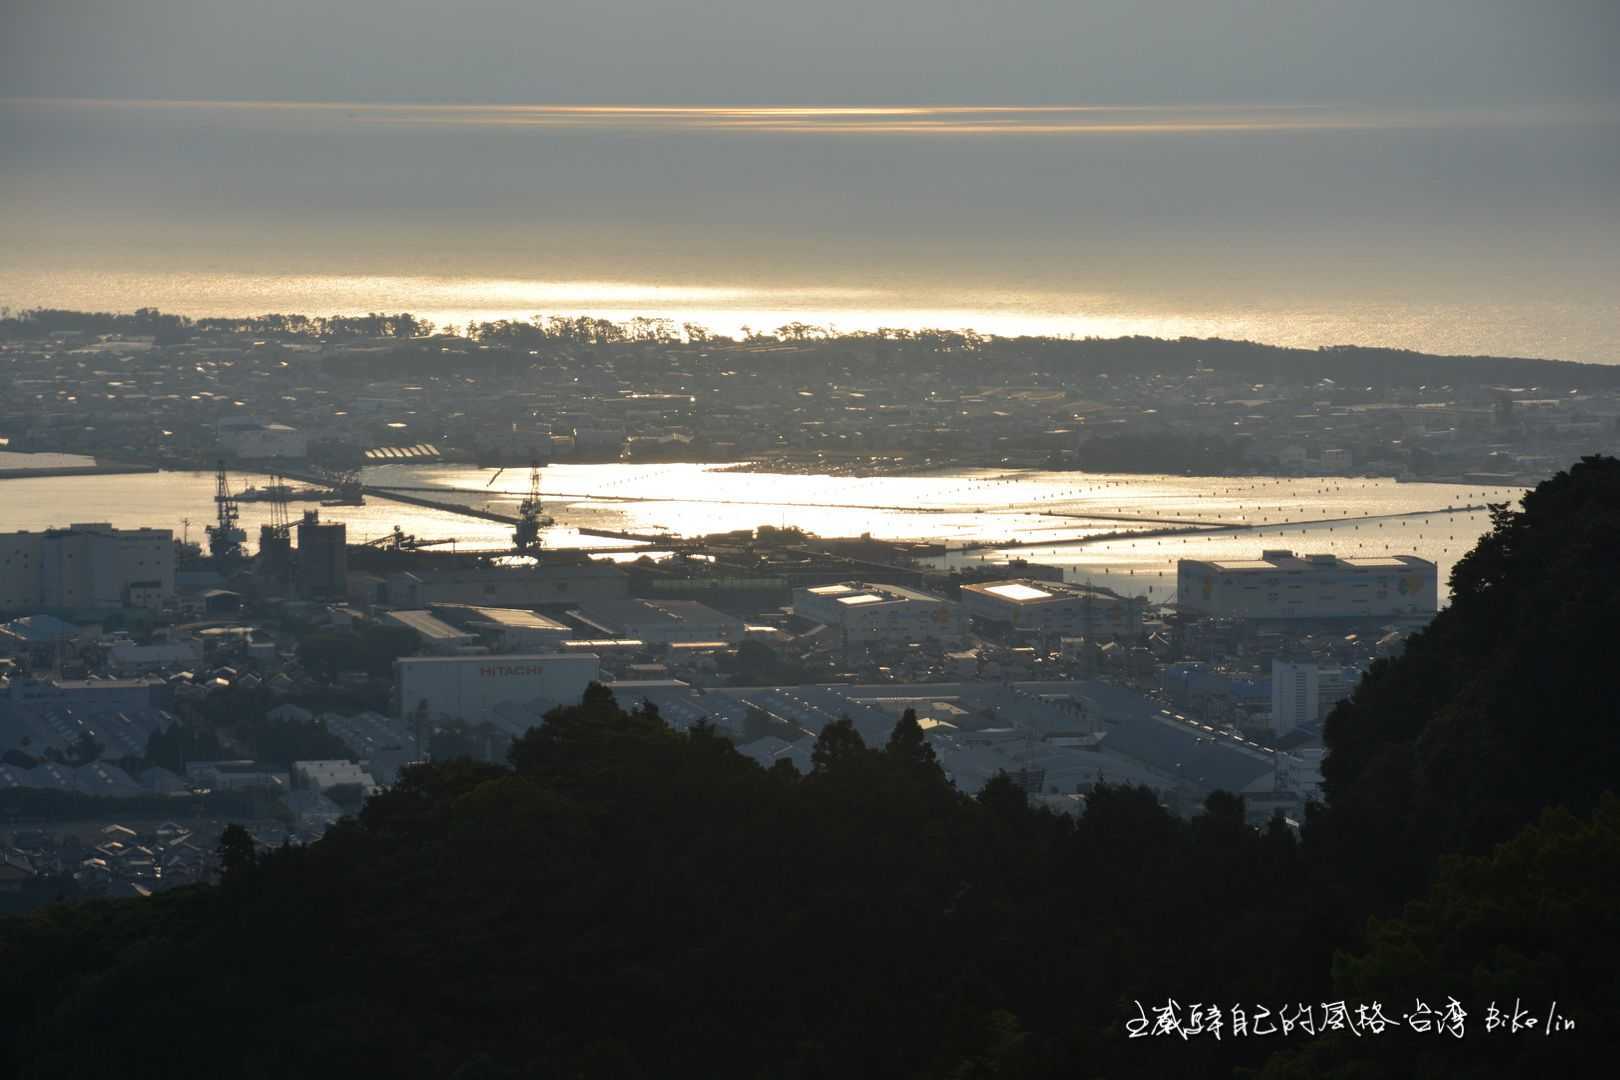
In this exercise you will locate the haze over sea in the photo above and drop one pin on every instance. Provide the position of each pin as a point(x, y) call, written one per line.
point(1445, 229)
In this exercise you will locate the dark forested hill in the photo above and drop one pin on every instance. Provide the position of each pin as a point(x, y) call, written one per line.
point(1505, 704)
point(629, 901)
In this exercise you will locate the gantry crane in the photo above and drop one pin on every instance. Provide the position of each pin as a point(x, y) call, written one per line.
point(225, 536)
point(526, 537)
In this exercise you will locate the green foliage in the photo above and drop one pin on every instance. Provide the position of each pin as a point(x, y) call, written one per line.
point(181, 742)
point(347, 796)
point(661, 905)
point(282, 742)
point(909, 749)
point(27, 805)
point(82, 751)
point(784, 536)
point(1493, 712)
point(369, 648)
point(453, 739)
point(839, 748)
point(457, 739)
point(1533, 921)
point(756, 664)
point(237, 855)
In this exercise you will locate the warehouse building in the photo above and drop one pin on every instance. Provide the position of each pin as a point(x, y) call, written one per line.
point(659, 622)
point(548, 584)
point(86, 566)
point(470, 688)
point(120, 714)
point(82, 697)
point(1053, 608)
point(1282, 585)
point(435, 635)
point(507, 629)
point(861, 612)
point(126, 658)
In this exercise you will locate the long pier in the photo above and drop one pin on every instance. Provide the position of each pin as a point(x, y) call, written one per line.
point(1202, 530)
point(44, 471)
point(912, 508)
point(432, 504)
point(406, 495)
point(640, 538)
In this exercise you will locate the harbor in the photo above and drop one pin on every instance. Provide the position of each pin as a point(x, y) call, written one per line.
point(1120, 531)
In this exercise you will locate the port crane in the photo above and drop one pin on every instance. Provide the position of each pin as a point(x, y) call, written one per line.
point(225, 536)
point(400, 540)
point(526, 537)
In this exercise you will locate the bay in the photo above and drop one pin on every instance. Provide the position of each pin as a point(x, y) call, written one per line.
point(983, 515)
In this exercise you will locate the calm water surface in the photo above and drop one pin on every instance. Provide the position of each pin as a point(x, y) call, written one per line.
point(1487, 231)
point(976, 510)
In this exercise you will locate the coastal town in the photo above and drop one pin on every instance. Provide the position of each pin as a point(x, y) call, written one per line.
point(149, 390)
point(912, 541)
point(152, 691)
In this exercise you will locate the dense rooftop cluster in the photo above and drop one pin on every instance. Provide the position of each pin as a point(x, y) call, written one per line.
point(167, 390)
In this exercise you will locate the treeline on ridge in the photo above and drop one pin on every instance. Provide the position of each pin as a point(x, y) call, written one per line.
point(509, 344)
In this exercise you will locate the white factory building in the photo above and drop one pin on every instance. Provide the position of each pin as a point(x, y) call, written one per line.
point(1282, 585)
point(86, 566)
point(861, 612)
point(1053, 608)
point(470, 688)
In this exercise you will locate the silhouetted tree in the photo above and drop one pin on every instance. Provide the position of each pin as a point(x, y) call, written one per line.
point(838, 746)
point(1488, 716)
point(237, 855)
point(908, 748)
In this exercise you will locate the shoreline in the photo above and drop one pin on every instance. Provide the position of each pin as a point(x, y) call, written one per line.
point(890, 466)
point(49, 471)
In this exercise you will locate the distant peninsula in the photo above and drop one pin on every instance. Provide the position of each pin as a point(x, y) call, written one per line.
point(799, 398)
point(1090, 355)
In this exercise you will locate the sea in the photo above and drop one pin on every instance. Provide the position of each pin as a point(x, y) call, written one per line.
point(1489, 232)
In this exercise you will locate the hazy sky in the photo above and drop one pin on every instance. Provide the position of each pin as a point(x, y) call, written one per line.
point(825, 51)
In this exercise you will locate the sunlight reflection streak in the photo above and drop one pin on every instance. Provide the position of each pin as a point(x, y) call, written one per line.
point(945, 120)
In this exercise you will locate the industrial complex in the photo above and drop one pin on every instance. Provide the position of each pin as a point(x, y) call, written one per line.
point(328, 667)
point(859, 612)
point(86, 566)
point(471, 688)
point(1048, 607)
point(1282, 585)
